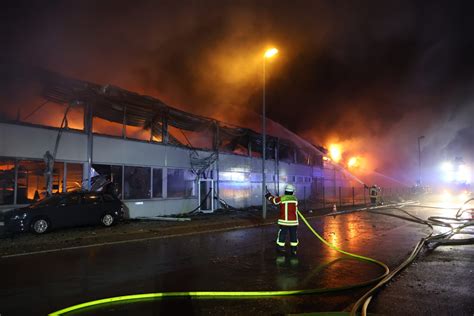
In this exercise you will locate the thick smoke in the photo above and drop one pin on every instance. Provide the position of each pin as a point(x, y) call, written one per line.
point(371, 75)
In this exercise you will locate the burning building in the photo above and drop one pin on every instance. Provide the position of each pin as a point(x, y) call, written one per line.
point(59, 134)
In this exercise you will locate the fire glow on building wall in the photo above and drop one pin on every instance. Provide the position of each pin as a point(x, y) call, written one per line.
point(151, 152)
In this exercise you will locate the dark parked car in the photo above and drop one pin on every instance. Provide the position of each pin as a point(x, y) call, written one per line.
point(65, 210)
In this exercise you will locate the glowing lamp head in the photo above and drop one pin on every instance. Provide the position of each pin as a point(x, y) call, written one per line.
point(270, 52)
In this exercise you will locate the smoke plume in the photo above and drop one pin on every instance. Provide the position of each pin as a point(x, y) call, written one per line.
point(371, 75)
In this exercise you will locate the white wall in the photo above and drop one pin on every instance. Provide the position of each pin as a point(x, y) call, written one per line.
point(23, 141)
point(119, 151)
point(33, 142)
point(147, 208)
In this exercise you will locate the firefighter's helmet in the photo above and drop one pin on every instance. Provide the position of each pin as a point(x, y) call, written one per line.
point(290, 188)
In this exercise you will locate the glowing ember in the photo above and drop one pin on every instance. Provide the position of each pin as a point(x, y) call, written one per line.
point(335, 152)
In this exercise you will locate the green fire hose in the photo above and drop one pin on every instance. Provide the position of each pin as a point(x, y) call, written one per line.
point(235, 295)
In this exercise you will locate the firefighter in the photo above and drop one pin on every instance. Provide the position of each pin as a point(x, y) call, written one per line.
point(373, 192)
point(287, 219)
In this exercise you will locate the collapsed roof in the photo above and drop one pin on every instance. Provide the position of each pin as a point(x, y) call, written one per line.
point(118, 105)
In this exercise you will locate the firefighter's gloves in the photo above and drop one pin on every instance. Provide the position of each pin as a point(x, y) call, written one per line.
point(268, 196)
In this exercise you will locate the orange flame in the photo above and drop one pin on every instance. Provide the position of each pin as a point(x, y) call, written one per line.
point(335, 151)
point(353, 162)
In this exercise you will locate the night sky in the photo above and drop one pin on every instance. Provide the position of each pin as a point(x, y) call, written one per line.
point(370, 75)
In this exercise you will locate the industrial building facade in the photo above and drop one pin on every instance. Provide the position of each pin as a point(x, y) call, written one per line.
point(161, 161)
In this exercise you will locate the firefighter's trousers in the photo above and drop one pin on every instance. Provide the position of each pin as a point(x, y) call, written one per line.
point(283, 231)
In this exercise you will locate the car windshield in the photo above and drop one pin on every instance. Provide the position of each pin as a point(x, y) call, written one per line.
point(51, 200)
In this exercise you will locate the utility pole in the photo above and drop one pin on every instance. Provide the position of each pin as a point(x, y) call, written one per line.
point(268, 54)
point(419, 159)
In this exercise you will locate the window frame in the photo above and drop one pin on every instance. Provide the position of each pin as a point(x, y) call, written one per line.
point(193, 195)
point(153, 181)
point(150, 188)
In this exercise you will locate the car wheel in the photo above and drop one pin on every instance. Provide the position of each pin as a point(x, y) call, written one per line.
point(107, 220)
point(40, 226)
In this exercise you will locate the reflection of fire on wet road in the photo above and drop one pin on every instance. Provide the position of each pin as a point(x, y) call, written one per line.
point(237, 260)
point(342, 231)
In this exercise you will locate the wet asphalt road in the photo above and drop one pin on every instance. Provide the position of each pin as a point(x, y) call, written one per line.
point(237, 260)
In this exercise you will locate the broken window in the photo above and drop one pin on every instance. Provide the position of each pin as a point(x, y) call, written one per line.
point(105, 127)
point(137, 182)
point(111, 173)
point(181, 183)
point(137, 132)
point(74, 176)
point(61, 186)
point(24, 102)
point(7, 181)
point(31, 184)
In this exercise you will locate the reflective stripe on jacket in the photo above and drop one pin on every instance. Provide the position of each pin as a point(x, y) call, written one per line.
point(288, 209)
point(373, 192)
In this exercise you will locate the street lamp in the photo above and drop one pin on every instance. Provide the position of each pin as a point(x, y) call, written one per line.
point(269, 53)
point(419, 159)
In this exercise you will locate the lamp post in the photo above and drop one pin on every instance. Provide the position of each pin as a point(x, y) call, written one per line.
point(269, 53)
point(419, 159)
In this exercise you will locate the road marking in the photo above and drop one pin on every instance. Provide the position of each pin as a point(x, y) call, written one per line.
point(162, 237)
point(133, 240)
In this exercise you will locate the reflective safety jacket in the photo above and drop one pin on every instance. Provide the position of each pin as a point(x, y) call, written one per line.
point(288, 209)
point(373, 192)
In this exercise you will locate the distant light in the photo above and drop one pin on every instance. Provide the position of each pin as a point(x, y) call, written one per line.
point(233, 176)
point(139, 203)
point(446, 196)
point(463, 196)
point(271, 52)
point(449, 177)
point(456, 173)
point(447, 166)
point(448, 174)
point(463, 175)
point(236, 176)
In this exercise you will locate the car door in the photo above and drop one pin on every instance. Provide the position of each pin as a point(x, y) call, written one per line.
point(91, 207)
point(67, 211)
point(111, 204)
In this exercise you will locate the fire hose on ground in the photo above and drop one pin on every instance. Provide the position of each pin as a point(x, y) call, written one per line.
point(363, 302)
